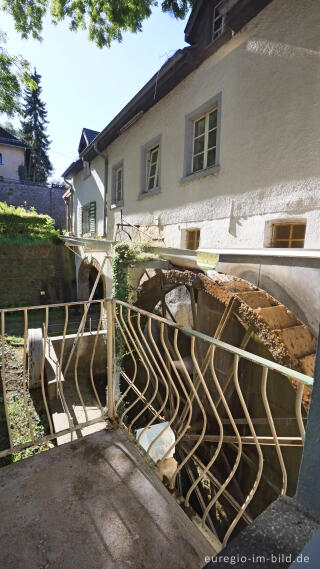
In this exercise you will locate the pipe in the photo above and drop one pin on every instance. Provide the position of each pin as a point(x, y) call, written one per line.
point(105, 185)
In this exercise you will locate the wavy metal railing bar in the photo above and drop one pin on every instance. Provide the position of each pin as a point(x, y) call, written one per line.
point(193, 391)
point(60, 386)
point(25, 340)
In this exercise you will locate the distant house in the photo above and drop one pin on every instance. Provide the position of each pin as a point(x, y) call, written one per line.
point(15, 190)
point(12, 154)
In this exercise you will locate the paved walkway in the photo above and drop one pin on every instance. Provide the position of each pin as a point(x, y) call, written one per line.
point(93, 504)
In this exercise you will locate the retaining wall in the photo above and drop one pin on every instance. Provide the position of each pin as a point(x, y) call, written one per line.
point(42, 198)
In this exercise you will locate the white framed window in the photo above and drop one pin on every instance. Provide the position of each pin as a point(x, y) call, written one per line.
point(219, 21)
point(117, 185)
point(88, 219)
point(150, 168)
point(202, 140)
point(205, 141)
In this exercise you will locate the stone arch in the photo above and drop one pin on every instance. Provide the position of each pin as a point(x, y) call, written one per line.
point(87, 275)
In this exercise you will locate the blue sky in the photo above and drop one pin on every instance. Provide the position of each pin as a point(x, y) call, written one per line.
point(83, 85)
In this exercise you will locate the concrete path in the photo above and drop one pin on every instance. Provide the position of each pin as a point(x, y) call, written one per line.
point(93, 504)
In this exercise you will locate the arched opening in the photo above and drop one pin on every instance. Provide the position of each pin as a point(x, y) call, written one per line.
point(87, 276)
point(99, 292)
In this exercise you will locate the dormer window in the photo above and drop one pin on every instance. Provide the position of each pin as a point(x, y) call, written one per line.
point(218, 21)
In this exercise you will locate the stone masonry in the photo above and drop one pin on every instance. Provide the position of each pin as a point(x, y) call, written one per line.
point(43, 198)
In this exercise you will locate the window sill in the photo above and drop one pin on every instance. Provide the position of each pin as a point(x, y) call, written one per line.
point(148, 194)
point(115, 205)
point(201, 174)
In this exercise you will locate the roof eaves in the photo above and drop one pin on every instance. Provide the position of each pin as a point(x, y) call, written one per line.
point(192, 19)
point(168, 68)
point(74, 167)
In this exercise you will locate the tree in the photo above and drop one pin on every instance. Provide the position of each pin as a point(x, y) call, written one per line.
point(9, 126)
point(14, 73)
point(34, 133)
point(105, 20)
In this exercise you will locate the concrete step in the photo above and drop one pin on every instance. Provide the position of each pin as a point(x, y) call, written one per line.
point(257, 299)
point(60, 418)
point(298, 340)
point(94, 504)
point(277, 317)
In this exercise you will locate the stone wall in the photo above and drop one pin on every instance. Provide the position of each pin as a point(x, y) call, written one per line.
point(42, 198)
point(34, 275)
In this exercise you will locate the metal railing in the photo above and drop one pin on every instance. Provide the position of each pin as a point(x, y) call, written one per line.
point(173, 374)
point(237, 444)
point(51, 375)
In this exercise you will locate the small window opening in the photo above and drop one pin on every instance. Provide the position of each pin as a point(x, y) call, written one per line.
point(218, 21)
point(192, 239)
point(289, 235)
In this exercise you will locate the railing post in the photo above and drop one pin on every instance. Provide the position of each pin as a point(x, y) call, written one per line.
point(110, 361)
point(308, 488)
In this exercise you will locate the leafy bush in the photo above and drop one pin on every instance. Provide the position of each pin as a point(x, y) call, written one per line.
point(22, 171)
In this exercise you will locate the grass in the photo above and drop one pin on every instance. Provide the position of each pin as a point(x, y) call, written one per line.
point(15, 340)
point(19, 425)
point(18, 409)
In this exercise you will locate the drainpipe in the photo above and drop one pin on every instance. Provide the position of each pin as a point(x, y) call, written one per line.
point(105, 158)
point(71, 188)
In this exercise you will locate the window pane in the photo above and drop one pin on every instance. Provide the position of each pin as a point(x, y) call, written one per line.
point(198, 162)
point(198, 145)
point(153, 170)
point(281, 244)
point(298, 231)
point(193, 238)
point(212, 139)
point(282, 231)
point(297, 244)
point(213, 119)
point(211, 158)
point(151, 183)
point(199, 127)
point(154, 156)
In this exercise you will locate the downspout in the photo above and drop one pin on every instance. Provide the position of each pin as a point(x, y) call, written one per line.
point(71, 188)
point(105, 158)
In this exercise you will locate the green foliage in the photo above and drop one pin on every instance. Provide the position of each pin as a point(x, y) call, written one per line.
point(34, 133)
point(20, 426)
point(127, 254)
point(22, 171)
point(24, 226)
point(106, 20)
point(14, 73)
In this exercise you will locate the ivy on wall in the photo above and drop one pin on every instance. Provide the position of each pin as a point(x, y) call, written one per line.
point(127, 254)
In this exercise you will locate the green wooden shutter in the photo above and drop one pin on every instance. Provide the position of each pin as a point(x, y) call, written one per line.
point(92, 218)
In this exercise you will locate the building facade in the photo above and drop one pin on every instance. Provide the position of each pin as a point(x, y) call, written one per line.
point(220, 148)
point(12, 155)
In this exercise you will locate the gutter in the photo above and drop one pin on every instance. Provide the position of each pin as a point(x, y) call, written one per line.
point(206, 259)
point(105, 185)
